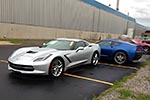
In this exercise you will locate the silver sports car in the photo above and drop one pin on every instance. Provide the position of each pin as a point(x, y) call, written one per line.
point(54, 57)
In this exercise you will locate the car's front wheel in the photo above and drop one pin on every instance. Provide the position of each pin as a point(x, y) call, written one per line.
point(120, 57)
point(56, 67)
point(95, 59)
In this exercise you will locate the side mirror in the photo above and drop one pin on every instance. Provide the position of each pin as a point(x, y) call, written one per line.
point(112, 44)
point(79, 48)
point(44, 44)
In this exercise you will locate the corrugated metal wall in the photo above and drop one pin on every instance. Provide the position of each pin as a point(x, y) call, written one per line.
point(67, 14)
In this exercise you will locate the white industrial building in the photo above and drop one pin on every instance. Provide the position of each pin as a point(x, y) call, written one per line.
point(62, 18)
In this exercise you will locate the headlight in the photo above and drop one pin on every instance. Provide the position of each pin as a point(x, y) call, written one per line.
point(42, 58)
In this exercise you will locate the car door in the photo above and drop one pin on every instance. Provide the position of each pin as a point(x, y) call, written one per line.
point(106, 48)
point(80, 53)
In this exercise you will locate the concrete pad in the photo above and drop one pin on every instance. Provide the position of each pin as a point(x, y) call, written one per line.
point(5, 43)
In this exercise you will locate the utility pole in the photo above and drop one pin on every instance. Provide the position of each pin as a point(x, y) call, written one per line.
point(117, 6)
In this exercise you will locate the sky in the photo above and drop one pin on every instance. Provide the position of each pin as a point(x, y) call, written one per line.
point(138, 9)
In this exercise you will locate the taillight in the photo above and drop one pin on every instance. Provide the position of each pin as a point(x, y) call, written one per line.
point(138, 49)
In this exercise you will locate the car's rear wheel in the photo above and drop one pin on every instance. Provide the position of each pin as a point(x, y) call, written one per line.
point(146, 49)
point(56, 67)
point(95, 59)
point(120, 57)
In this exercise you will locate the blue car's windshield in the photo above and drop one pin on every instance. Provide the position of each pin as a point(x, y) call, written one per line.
point(60, 44)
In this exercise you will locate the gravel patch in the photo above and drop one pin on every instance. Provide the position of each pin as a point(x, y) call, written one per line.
point(111, 96)
point(139, 84)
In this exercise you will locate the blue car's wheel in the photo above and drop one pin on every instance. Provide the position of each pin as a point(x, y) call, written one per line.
point(120, 57)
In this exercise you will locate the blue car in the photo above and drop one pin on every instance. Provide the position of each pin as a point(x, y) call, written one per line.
point(119, 51)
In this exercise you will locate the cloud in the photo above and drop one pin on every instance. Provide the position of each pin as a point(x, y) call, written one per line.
point(140, 12)
point(139, 1)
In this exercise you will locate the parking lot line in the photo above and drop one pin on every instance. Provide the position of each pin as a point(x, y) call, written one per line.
point(89, 79)
point(4, 61)
point(120, 66)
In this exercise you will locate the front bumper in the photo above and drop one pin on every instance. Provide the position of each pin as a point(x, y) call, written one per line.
point(27, 69)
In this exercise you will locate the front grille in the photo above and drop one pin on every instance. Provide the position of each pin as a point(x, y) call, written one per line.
point(21, 67)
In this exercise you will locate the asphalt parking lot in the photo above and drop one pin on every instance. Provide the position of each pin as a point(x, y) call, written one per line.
point(76, 84)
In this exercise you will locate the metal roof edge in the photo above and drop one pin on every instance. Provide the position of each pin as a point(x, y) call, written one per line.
point(142, 26)
point(108, 9)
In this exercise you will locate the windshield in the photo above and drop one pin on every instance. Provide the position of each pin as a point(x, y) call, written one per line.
point(60, 44)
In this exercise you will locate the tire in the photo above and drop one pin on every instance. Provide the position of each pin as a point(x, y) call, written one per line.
point(95, 59)
point(146, 49)
point(56, 67)
point(120, 57)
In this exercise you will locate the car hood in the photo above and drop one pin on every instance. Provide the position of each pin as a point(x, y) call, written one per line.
point(31, 53)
